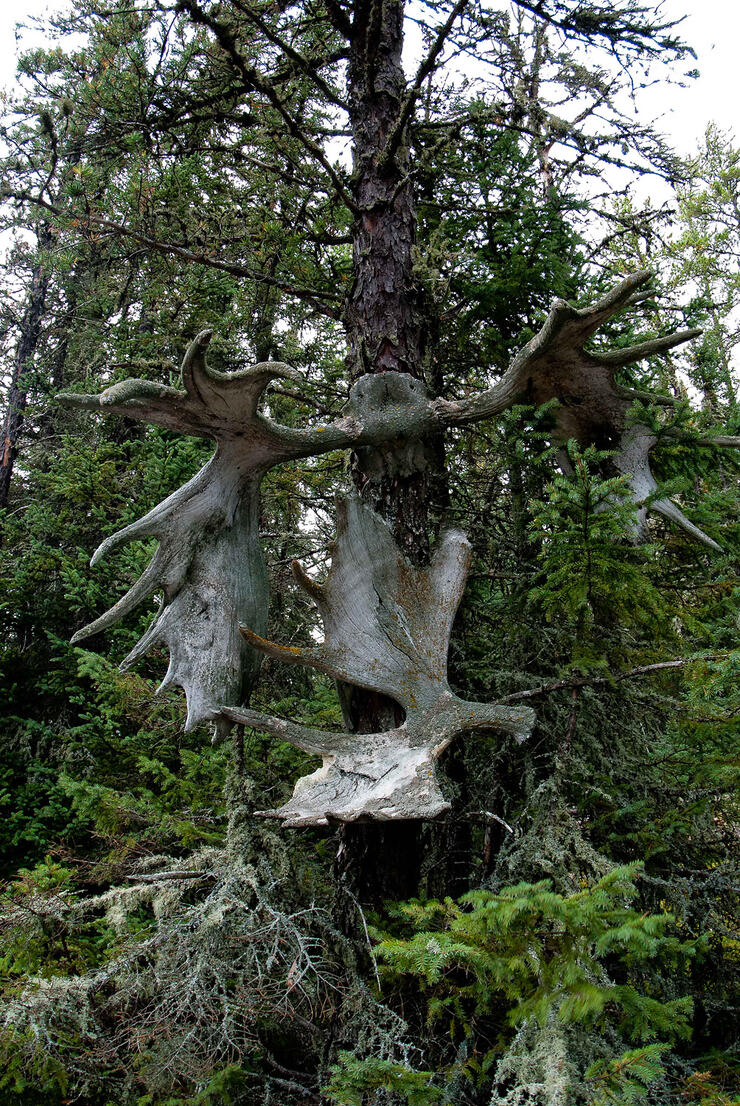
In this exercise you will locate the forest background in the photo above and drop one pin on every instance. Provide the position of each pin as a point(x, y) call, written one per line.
point(568, 932)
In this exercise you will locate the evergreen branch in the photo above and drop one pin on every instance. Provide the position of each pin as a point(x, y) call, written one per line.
point(311, 296)
point(338, 18)
point(612, 678)
point(296, 56)
point(258, 83)
point(605, 23)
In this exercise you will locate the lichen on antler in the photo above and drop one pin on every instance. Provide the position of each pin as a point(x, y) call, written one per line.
point(592, 407)
point(387, 628)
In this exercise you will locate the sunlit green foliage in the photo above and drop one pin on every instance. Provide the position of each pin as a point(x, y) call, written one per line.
point(529, 953)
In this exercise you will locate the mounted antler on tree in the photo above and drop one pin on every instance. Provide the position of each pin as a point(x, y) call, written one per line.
point(209, 562)
point(387, 629)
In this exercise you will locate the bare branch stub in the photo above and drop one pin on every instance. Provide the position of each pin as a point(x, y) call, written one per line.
point(387, 628)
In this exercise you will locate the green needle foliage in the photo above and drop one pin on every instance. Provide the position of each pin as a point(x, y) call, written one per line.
point(354, 1081)
point(626, 1079)
point(528, 951)
point(590, 577)
point(491, 966)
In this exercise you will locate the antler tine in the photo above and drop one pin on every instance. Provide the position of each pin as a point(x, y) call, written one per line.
point(217, 392)
point(578, 324)
point(291, 654)
point(668, 510)
point(622, 294)
point(329, 661)
point(318, 742)
point(138, 399)
point(310, 586)
point(618, 358)
point(147, 583)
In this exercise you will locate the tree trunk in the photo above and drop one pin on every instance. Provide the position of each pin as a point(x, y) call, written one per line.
point(22, 364)
point(384, 335)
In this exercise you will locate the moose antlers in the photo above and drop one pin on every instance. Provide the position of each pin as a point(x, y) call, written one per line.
point(209, 564)
point(387, 628)
point(592, 407)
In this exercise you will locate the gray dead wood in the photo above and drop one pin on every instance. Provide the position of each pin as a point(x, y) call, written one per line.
point(387, 628)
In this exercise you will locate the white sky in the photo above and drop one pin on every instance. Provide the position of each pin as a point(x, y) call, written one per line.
point(712, 27)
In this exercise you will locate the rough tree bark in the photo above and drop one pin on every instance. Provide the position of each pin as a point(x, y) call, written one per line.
point(382, 324)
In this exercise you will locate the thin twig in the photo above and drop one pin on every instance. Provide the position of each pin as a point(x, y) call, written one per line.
point(396, 132)
point(361, 912)
point(612, 678)
point(491, 817)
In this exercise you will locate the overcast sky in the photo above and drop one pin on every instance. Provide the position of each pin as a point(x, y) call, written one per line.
point(712, 27)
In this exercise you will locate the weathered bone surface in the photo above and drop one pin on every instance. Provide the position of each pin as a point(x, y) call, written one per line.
point(387, 628)
point(592, 408)
point(209, 562)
